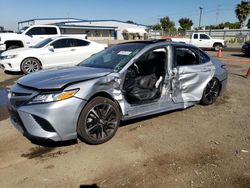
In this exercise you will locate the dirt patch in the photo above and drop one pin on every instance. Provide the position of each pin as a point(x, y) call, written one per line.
point(223, 100)
point(4, 113)
point(8, 82)
point(42, 153)
point(161, 168)
point(233, 66)
point(242, 181)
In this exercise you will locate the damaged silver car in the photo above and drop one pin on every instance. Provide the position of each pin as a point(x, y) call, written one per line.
point(126, 81)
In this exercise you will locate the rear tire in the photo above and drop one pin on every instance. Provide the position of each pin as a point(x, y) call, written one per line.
point(211, 92)
point(98, 121)
point(217, 47)
point(30, 65)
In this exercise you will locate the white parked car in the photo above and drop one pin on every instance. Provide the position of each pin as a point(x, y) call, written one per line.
point(51, 52)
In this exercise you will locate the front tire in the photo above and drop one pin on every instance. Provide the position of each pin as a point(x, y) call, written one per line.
point(30, 65)
point(211, 92)
point(98, 121)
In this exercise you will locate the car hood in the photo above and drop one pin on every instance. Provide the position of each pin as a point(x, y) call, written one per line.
point(19, 51)
point(58, 78)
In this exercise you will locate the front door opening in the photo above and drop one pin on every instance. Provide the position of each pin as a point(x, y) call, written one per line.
point(144, 79)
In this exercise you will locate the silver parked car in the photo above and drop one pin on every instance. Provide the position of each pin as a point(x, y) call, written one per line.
point(126, 81)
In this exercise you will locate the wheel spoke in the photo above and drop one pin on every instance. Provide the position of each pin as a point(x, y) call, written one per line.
point(107, 111)
point(95, 113)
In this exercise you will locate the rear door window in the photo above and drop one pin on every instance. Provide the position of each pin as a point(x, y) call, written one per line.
point(50, 31)
point(203, 36)
point(62, 43)
point(185, 56)
point(80, 43)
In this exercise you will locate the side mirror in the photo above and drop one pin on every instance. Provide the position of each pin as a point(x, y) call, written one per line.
point(29, 35)
point(51, 48)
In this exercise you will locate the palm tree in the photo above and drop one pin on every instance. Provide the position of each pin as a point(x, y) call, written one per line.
point(242, 10)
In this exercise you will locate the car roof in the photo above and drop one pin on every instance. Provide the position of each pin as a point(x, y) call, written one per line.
point(69, 37)
point(159, 42)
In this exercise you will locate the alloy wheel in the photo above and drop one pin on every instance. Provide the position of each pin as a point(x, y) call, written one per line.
point(101, 121)
point(30, 66)
point(212, 91)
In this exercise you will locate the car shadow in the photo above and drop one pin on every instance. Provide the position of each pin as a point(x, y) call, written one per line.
point(51, 144)
point(13, 73)
point(89, 186)
point(239, 55)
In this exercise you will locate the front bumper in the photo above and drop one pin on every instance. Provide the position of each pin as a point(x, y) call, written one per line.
point(55, 121)
point(2, 47)
point(10, 64)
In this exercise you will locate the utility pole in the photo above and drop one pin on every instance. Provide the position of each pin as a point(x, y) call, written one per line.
point(200, 17)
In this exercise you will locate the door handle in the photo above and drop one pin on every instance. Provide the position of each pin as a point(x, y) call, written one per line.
point(72, 49)
point(206, 70)
point(41, 37)
point(200, 40)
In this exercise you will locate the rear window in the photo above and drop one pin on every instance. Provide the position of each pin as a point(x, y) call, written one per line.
point(78, 42)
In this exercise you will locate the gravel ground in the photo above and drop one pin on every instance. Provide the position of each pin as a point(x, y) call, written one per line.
point(202, 146)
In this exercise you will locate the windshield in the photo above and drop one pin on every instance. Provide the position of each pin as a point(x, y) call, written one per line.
point(114, 58)
point(43, 43)
point(20, 31)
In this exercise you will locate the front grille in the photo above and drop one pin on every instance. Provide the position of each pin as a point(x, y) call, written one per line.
point(16, 118)
point(20, 95)
point(17, 103)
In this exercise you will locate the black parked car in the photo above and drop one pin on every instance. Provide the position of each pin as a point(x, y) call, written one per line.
point(246, 48)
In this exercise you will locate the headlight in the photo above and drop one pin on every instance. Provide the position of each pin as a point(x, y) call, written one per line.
point(52, 97)
point(8, 56)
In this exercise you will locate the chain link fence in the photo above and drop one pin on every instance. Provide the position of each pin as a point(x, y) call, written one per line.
point(233, 36)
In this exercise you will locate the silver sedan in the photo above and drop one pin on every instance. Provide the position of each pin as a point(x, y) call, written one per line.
point(126, 81)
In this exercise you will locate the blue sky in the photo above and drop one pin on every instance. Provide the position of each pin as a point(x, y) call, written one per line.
point(141, 11)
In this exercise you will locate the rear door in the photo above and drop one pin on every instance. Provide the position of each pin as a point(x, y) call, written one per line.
point(81, 50)
point(192, 70)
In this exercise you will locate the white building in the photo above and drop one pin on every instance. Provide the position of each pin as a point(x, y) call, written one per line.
point(95, 29)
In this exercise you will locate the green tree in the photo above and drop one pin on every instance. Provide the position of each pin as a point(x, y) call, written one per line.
point(156, 27)
point(166, 23)
point(242, 10)
point(185, 23)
